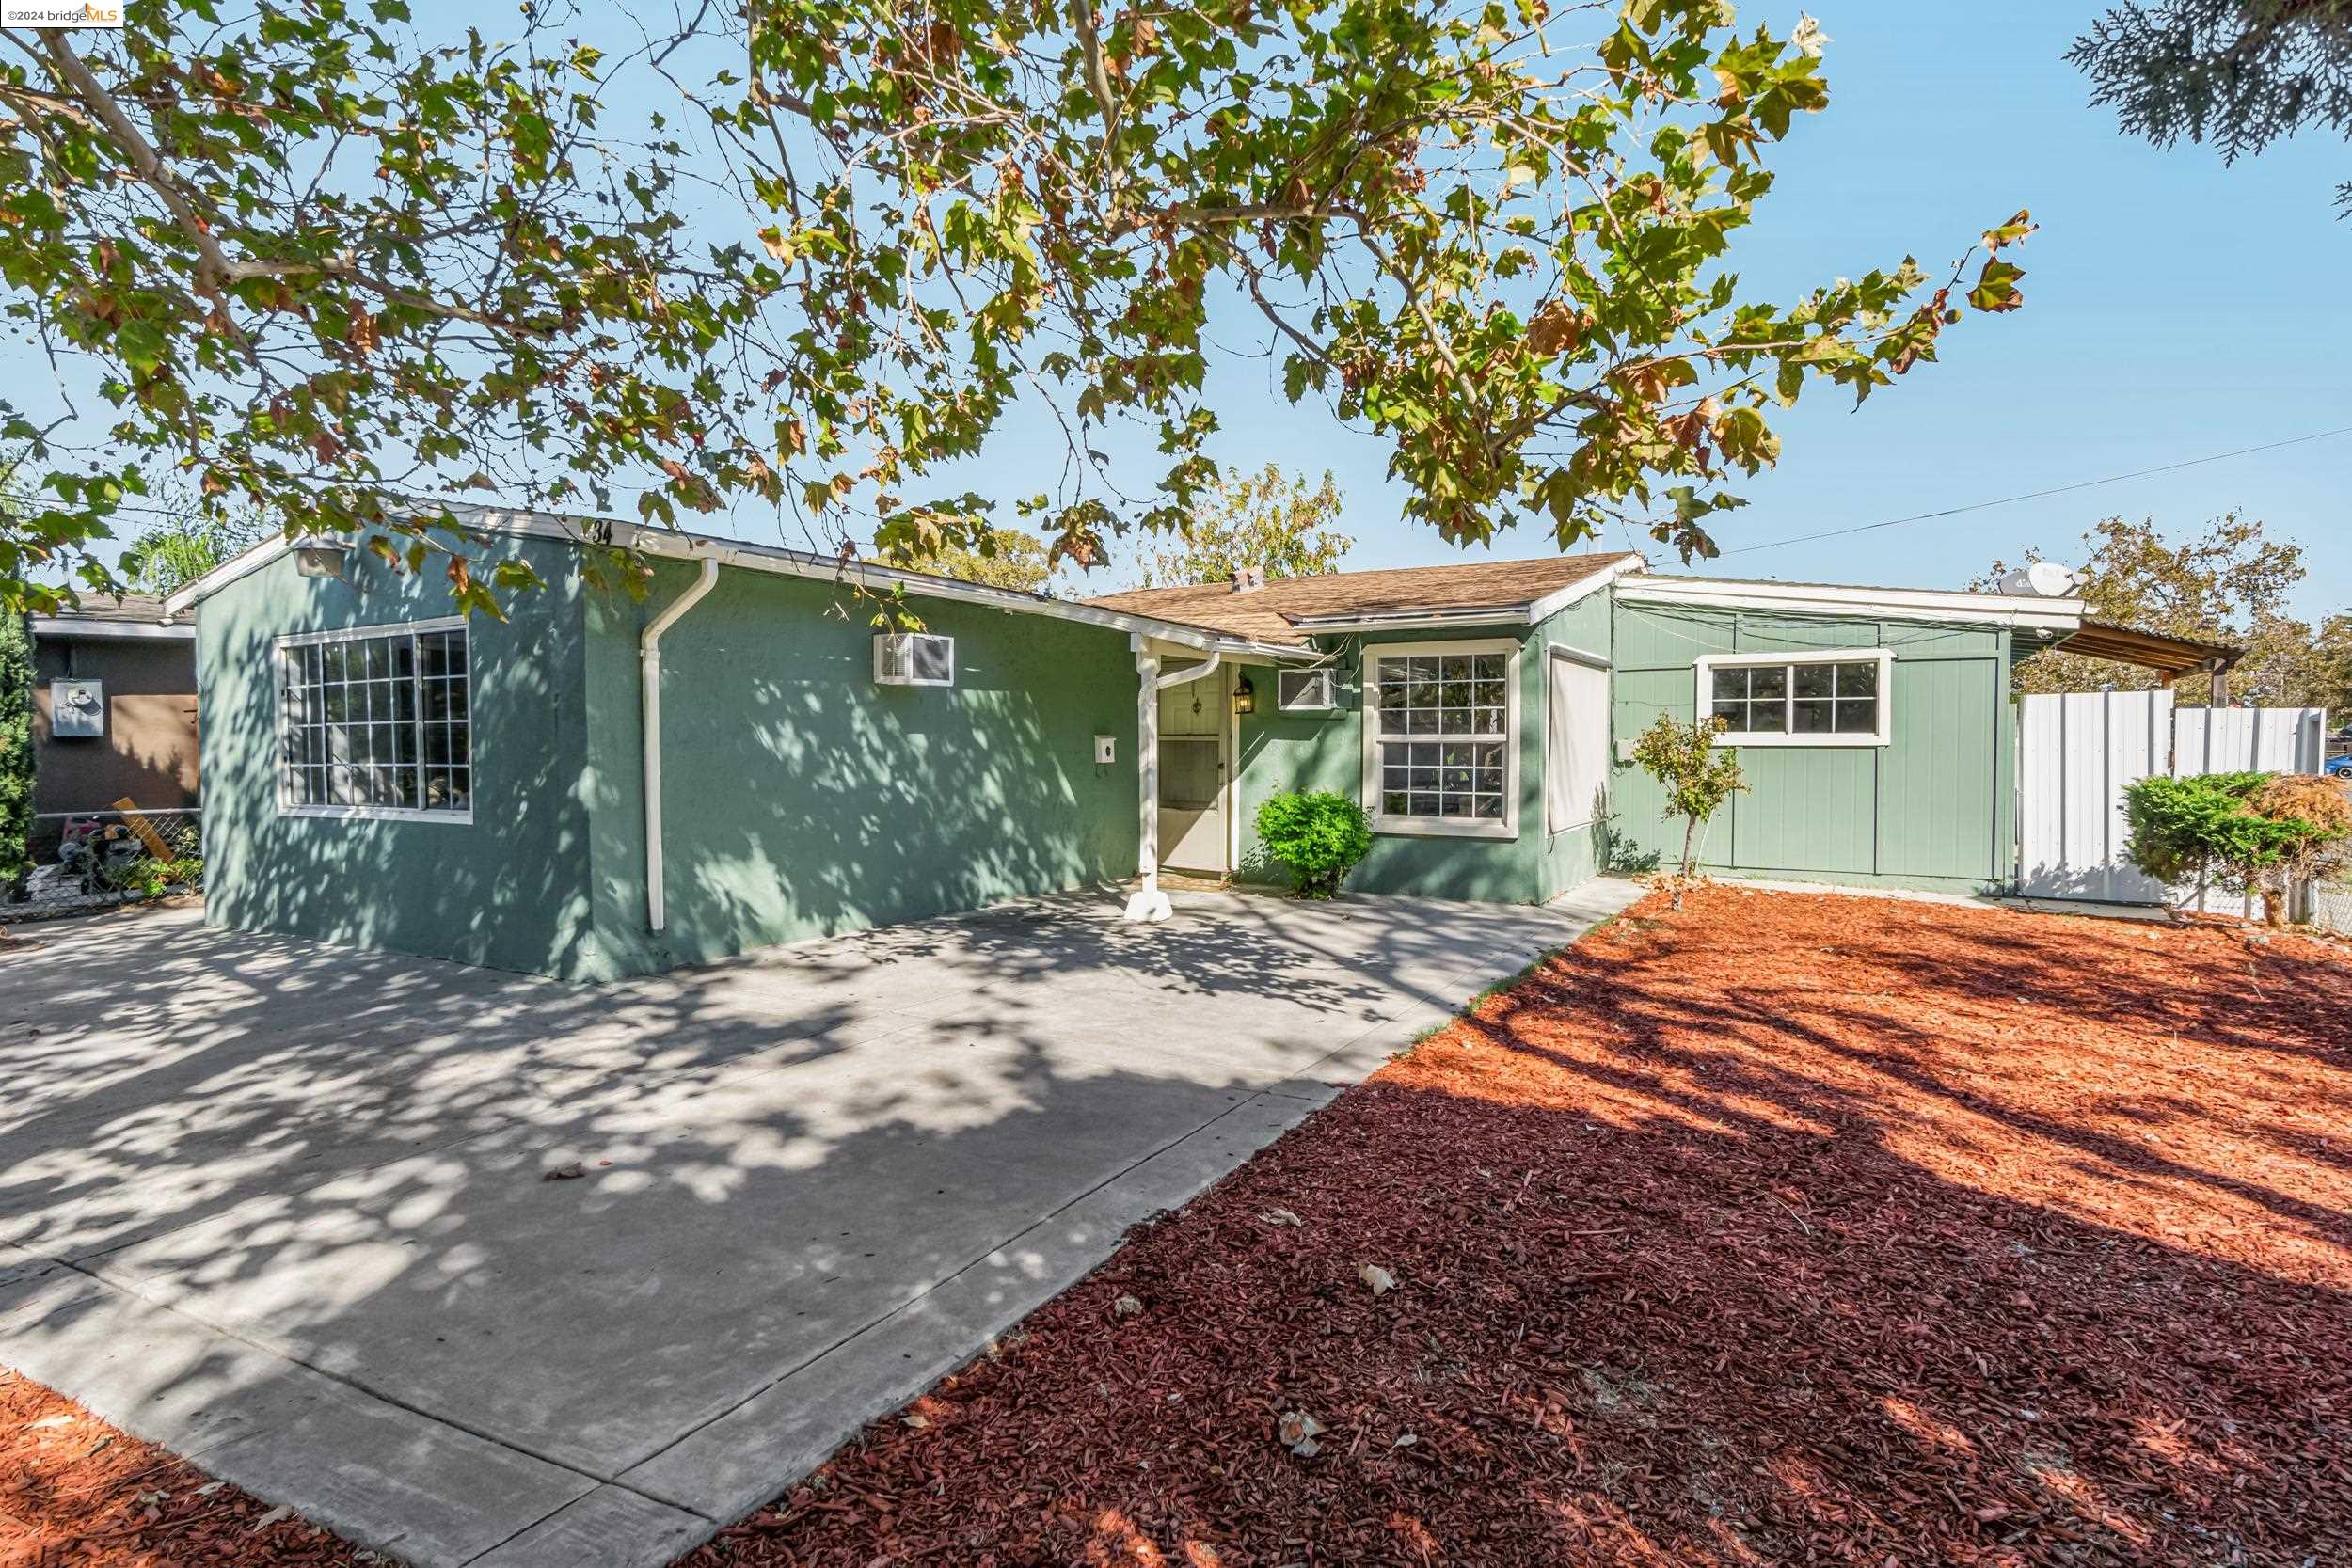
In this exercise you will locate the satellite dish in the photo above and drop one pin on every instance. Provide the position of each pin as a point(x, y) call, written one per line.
point(2041, 579)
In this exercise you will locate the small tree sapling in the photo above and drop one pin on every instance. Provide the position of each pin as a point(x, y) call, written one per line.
point(1696, 777)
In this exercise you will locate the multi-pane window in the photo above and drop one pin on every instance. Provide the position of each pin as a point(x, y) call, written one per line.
point(1439, 749)
point(1822, 701)
point(377, 720)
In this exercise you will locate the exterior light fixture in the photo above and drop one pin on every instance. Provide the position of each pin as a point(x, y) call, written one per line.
point(1245, 696)
point(320, 560)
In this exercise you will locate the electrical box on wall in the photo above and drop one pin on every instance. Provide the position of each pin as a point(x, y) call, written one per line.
point(1105, 749)
point(1625, 750)
point(77, 709)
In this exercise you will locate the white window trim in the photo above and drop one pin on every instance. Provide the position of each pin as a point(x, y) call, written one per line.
point(1441, 826)
point(1331, 682)
point(1702, 688)
point(361, 634)
point(381, 629)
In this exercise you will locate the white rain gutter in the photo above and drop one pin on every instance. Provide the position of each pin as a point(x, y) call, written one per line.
point(1185, 677)
point(567, 529)
point(1149, 903)
point(108, 631)
point(649, 689)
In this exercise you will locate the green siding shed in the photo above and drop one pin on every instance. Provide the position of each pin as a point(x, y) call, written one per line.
point(1933, 808)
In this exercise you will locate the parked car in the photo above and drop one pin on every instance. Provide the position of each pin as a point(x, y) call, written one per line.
point(2340, 766)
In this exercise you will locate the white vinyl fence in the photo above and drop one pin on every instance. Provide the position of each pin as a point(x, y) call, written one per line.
point(2077, 752)
point(2249, 740)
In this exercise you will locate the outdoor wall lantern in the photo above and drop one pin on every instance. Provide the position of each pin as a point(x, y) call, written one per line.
point(319, 559)
point(1245, 696)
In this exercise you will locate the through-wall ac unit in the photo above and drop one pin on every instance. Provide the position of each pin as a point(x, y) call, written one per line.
point(914, 658)
point(1305, 691)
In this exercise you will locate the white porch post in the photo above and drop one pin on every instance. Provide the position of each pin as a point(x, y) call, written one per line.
point(1149, 903)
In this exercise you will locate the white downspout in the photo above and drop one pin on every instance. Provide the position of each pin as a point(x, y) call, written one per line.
point(1149, 903)
point(649, 689)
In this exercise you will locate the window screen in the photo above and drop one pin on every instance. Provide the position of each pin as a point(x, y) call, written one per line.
point(1189, 776)
point(378, 721)
point(1576, 745)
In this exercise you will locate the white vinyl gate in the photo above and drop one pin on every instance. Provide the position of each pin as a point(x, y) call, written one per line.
point(2077, 752)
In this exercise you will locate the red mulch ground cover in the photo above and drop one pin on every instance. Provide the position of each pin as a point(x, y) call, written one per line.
point(1782, 1230)
point(76, 1492)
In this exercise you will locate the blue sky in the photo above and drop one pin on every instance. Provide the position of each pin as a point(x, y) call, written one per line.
point(2175, 309)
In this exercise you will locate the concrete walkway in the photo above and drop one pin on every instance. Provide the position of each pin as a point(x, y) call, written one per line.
point(282, 1207)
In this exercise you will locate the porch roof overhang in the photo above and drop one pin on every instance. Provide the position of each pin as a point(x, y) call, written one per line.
point(2171, 658)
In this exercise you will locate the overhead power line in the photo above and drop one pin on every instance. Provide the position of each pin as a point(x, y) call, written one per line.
point(1739, 549)
point(2037, 495)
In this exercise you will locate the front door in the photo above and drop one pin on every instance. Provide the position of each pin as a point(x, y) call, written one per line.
point(1192, 765)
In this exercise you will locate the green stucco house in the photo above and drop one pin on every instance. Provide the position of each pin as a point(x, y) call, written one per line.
point(600, 787)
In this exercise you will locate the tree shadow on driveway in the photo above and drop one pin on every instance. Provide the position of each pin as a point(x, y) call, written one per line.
point(284, 1206)
point(1785, 1230)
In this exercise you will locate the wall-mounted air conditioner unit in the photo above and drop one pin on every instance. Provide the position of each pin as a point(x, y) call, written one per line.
point(914, 658)
point(1305, 691)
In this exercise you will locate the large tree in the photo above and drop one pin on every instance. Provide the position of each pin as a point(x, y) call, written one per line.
point(999, 558)
point(335, 265)
point(179, 548)
point(1274, 521)
point(2313, 668)
point(2230, 583)
point(2237, 73)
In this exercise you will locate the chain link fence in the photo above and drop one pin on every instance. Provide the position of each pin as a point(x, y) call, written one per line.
point(85, 860)
point(2330, 901)
point(2331, 906)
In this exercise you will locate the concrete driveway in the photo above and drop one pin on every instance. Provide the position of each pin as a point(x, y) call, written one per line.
point(283, 1207)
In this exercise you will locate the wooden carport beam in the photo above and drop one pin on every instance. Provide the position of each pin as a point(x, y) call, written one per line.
point(2172, 659)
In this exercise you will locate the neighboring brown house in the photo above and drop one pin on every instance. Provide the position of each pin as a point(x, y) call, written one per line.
point(114, 708)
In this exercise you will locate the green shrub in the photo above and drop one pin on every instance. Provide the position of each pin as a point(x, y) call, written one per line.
point(139, 875)
point(16, 751)
point(2187, 830)
point(1318, 834)
point(149, 877)
point(2239, 830)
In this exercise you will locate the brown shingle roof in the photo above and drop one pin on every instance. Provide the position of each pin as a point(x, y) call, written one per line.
point(137, 608)
point(131, 607)
point(1271, 614)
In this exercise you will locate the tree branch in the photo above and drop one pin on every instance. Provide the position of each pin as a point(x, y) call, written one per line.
point(1097, 75)
point(211, 265)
